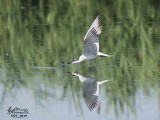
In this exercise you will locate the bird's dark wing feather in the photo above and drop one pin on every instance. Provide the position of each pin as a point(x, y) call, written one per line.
point(98, 109)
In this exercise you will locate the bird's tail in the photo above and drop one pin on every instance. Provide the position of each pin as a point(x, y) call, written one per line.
point(101, 82)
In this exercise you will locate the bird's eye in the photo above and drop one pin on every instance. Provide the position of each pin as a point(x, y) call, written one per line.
point(74, 60)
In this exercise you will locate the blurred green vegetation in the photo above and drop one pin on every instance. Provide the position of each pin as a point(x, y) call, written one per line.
point(49, 33)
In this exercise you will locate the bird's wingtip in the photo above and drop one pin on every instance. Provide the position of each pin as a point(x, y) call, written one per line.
point(109, 55)
point(98, 16)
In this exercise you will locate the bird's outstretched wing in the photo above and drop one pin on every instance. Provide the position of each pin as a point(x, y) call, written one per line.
point(91, 40)
point(89, 90)
point(96, 26)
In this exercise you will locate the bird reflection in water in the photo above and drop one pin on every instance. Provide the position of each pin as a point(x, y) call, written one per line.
point(91, 91)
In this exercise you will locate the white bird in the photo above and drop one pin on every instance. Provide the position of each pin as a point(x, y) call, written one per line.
point(91, 43)
point(91, 91)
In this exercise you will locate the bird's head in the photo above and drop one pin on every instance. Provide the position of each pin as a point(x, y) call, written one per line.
point(73, 61)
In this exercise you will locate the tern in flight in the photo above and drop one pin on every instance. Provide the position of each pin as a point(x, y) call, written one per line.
point(91, 43)
point(91, 91)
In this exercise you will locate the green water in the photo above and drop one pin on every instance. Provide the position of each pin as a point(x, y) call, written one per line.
point(37, 38)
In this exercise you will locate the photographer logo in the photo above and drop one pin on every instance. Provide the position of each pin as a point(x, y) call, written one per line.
point(17, 112)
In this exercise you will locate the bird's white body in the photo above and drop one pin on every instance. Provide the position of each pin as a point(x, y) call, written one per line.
point(91, 42)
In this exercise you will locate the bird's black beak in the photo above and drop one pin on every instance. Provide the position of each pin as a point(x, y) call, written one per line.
point(71, 74)
point(69, 62)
